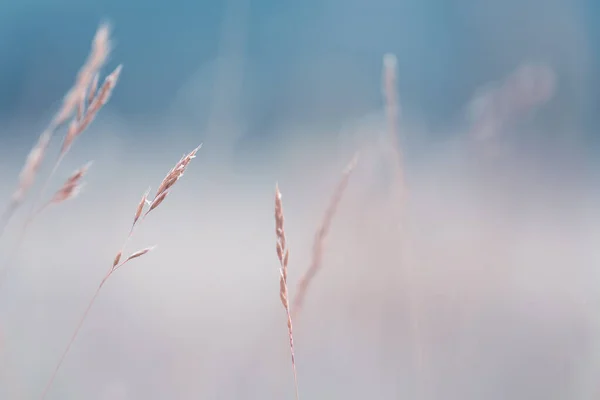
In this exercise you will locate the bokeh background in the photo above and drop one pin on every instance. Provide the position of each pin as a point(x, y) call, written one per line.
point(502, 238)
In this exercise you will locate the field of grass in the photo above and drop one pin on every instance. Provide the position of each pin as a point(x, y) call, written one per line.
point(420, 282)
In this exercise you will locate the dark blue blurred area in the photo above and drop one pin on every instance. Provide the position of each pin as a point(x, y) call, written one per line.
point(303, 61)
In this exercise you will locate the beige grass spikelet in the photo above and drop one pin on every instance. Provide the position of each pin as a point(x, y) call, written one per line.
point(101, 47)
point(72, 185)
point(283, 256)
point(140, 209)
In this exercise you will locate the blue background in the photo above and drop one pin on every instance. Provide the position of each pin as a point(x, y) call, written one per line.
point(302, 61)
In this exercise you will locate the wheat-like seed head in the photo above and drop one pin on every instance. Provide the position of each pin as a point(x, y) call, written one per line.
point(156, 202)
point(105, 91)
point(136, 254)
point(282, 251)
point(175, 173)
point(140, 208)
point(72, 185)
point(168, 182)
point(117, 259)
point(283, 256)
point(101, 48)
point(79, 125)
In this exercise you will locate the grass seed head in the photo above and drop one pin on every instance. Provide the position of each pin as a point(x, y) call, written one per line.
point(321, 236)
point(117, 259)
point(99, 101)
point(140, 207)
point(156, 202)
point(139, 253)
point(283, 256)
point(101, 48)
point(175, 173)
point(72, 186)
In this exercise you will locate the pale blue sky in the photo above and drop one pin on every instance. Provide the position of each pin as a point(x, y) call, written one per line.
point(303, 61)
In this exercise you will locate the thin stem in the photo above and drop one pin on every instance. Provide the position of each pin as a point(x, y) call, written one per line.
point(36, 204)
point(73, 337)
point(7, 214)
point(392, 111)
point(15, 250)
point(34, 212)
point(15, 203)
point(292, 353)
point(116, 267)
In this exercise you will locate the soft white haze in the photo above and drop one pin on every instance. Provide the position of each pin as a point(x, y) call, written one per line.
point(501, 249)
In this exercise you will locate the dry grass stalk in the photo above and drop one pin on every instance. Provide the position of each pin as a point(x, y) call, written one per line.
point(26, 178)
point(180, 168)
point(320, 238)
point(406, 258)
point(84, 91)
point(393, 113)
point(73, 103)
point(175, 173)
point(98, 56)
point(101, 48)
point(70, 189)
point(283, 256)
point(156, 202)
point(88, 114)
point(495, 108)
point(139, 210)
point(31, 167)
